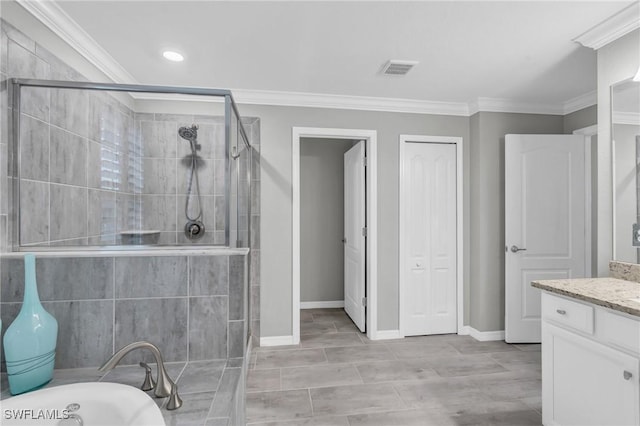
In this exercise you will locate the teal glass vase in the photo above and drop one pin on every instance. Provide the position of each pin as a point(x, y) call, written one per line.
point(30, 341)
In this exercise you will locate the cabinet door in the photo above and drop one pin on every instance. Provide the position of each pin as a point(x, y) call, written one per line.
point(586, 383)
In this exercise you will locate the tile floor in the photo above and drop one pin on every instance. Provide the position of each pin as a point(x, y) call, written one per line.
point(336, 376)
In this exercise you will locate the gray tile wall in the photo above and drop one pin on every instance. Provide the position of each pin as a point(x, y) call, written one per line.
point(165, 159)
point(189, 306)
point(91, 167)
point(74, 149)
point(252, 126)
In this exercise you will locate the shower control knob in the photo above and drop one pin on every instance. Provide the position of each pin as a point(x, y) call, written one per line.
point(194, 229)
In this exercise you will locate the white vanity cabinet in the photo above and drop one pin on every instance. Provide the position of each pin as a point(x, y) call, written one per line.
point(590, 364)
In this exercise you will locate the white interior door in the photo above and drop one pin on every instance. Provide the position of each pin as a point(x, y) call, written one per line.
point(545, 223)
point(354, 234)
point(428, 238)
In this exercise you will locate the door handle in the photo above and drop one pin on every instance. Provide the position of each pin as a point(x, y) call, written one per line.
point(515, 249)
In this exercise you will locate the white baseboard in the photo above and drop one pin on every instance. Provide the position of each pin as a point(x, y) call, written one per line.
point(276, 341)
point(327, 304)
point(387, 335)
point(482, 336)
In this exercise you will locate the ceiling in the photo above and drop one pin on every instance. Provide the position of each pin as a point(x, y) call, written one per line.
point(516, 50)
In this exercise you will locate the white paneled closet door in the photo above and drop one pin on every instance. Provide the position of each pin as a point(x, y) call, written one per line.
point(428, 238)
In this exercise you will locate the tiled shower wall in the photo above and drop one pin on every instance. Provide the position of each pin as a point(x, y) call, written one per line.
point(167, 168)
point(192, 307)
point(22, 57)
point(79, 173)
point(91, 167)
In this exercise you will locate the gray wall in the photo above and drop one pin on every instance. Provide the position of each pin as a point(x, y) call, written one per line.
point(322, 219)
point(276, 125)
point(617, 61)
point(483, 214)
point(487, 208)
point(580, 119)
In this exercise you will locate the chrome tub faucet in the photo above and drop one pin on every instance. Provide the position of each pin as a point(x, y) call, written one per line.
point(164, 387)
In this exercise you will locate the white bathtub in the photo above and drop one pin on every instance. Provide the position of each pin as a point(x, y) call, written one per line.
point(100, 404)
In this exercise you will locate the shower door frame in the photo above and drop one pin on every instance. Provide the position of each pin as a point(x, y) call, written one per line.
point(16, 85)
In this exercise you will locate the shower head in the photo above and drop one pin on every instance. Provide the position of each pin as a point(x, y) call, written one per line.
point(189, 133)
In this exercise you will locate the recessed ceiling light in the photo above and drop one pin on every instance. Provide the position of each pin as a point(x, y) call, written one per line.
point(173, 56)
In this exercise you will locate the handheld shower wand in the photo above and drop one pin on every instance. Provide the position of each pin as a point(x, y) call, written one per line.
point(194, 228)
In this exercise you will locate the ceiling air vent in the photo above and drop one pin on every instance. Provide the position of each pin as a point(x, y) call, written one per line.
point(398, 67)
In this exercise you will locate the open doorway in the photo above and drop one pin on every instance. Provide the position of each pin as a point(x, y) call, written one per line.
point(332, 194)
point(323, 232)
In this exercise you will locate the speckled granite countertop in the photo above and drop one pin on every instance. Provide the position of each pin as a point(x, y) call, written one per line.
point(611, 293)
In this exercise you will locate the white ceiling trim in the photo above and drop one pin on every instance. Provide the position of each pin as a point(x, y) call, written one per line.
point(507, 105)
point(623, 22)
point(580, 102)
point(58, 21)
point(315, 100)
point(632, 118)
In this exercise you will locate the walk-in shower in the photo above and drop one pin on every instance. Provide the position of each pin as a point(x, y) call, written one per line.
point(110, 165)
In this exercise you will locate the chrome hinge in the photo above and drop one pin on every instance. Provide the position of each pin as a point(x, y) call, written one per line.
point(364, 301)
point(364, 161)
point(364, 232)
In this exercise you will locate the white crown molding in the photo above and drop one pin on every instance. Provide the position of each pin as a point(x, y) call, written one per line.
point(580, 102)
point(632, 118)
point(315, 100)
point(58, 21)
point(362, 103)
point(612, 28)
point(507, 105)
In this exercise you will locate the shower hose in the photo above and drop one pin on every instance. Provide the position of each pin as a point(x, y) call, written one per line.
point(194, 173)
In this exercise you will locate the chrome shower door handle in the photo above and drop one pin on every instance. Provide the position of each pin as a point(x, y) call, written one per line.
point(515, 249)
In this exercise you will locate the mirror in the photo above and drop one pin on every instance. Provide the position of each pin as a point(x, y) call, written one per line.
point(625, 136)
